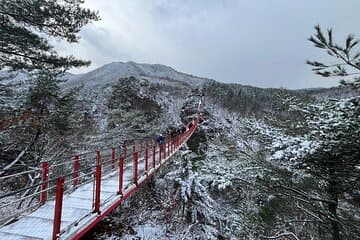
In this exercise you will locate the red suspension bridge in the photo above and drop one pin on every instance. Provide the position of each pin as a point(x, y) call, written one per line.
point(66, 206)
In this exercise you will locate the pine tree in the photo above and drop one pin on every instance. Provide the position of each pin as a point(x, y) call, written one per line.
point(338, 125)
point(51, 105)
point(27, 25)
point(26, 29)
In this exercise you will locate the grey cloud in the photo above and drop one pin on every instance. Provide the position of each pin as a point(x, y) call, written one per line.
point(261, 43)
point(97, 37)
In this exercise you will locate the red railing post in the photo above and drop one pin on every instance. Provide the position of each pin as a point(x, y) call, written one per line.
point(168, 147)
point(58, 207)
point(172, 145)
point(141, 149)
point(113, 158)
point(97, 189)
point(98, 157)
point(135, 168)
point(164, 148)
point(160, 148)
point(124, 151)
point(121, 175)
point(76, 171)
point(44, 177)
point(146, 158)
point(154, 156)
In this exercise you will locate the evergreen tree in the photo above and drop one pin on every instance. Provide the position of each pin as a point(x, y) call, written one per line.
point(52, 106)
point(338, 125)
point(26, 25)
point(126, 102)
point(26, 28)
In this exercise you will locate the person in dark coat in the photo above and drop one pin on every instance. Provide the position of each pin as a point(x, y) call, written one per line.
point(160, 139)
point(183, 129)
point(190, 124)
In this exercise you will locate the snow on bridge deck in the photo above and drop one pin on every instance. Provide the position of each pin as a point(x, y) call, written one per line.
point(78, 216)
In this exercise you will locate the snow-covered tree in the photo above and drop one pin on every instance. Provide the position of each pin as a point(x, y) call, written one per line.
point(198, 206)
point(328, 147)
point(127, 102)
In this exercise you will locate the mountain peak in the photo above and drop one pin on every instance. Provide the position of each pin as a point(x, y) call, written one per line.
point(111, 72)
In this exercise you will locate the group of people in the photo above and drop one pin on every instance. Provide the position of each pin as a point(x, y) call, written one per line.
point(161, 138)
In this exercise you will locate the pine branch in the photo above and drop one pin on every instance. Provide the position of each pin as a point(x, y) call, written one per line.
point(348, 60)
point(23, 25)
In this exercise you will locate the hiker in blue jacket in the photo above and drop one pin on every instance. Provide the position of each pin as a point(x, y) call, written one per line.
point(160, 139)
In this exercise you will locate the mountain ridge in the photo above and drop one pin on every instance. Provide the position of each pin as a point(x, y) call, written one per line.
point(113, 71)
point(156, 73)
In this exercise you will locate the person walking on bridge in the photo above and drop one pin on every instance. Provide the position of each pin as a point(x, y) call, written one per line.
point(161, 139)
point(191, 124)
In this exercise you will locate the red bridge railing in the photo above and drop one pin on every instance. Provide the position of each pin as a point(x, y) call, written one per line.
point(145, 158)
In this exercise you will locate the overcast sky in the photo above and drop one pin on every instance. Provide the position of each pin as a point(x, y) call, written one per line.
point(255, 42)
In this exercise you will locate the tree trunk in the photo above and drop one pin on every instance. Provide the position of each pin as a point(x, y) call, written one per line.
point(334, 196)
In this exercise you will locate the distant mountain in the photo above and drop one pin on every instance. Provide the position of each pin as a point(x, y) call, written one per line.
point(13, 78)
point(237, 97)
point(333, 92)
point(113, 71)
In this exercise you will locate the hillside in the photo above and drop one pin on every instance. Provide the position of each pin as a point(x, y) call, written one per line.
point(216, 188)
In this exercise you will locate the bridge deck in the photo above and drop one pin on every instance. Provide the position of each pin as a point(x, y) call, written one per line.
point(77, 211)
